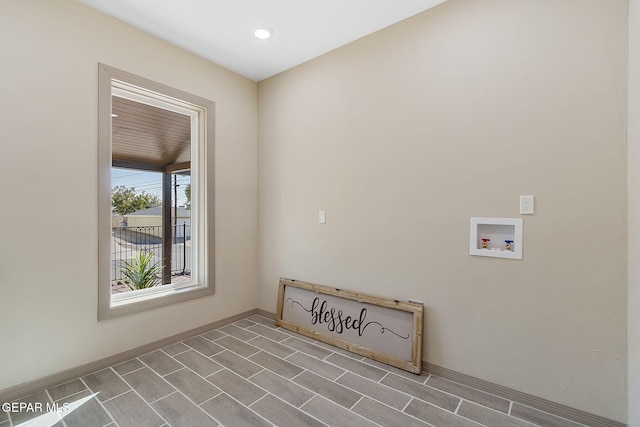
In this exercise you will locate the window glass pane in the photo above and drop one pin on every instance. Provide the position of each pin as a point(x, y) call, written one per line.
point(150, 197)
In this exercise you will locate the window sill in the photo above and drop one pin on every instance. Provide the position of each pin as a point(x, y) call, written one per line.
point(149, 299)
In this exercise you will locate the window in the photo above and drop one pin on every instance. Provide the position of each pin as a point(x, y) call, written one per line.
point(156, 203)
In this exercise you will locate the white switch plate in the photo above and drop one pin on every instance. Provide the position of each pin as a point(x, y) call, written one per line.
point(526, 205)
point(322, 217)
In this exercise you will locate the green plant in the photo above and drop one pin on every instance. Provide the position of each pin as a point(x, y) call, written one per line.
point(140, 272)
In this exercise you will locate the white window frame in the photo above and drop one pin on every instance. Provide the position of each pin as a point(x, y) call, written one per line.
point(114, 82)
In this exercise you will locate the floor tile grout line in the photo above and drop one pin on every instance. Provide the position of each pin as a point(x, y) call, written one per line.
point(340, 376)
point(348, 409)
point(72, 394)
point(377, 400)
point(402, 412)
point(256, 401)
point(246, 379)
point(212, 397)
point(167, 354)
point(175, 343)
point(190, 400)
point(362, 396)
point(205, 377)
point(411, 397)
point(114, 397)
point(60, 385)
point(289, 404)
point(426, 379)
point(222, 392)
point(353, 372)
point(104, 408)
point(231, 350)
point(142, 398)
point(453, 395)
point(170, 373)
point(458, 407)
point(285, 379)
point(506, 415)
point(378, 382)
point(310, 370)
point(407, 404)
point(196, 350)
point(313, 395)
point(544, 412)
point(484, 393)
point(163, 397)
point(46, 391)
point(144, 365)
point(147, 365)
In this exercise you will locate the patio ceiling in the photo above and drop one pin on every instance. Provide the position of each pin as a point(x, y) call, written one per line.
point(149, 138)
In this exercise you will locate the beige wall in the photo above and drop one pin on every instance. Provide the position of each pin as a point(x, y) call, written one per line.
point(634, 213)
point(404, 135)
point(400, 137)
point(48, 156)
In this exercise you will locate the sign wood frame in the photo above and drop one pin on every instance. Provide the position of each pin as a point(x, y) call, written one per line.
point(386, 330)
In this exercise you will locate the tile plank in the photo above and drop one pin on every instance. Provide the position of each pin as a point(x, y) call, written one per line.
point(489, 417)
point(107, 383)
point(237, 346)
point(333, 414)
point(192, 386)
point(329, 389)
point(271, 346)
point(178, 411)
point(238, 332)
point(237, 364)
point(385, 415)
point(198, 363)
point(317, 366)
point(282, 388)
point(89, 414)
point(437, 417)
point(64, 390)
point(422, 392)
point(230, 413)
point(374, 390)
point(355, 366)
point(307, 347)
point(468, 393)
point(276, 364)
point(204, 346)
point(128, 366)
point(282, 414)
point(160, 362)
point(540, 417)
point(148, 384)
point(236, 386)
point(268, 332)
point(129, 410)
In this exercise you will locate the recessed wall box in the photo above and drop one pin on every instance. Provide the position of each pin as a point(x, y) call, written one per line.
point(496, 237)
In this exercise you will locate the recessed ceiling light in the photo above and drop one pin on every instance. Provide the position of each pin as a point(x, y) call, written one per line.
point(262, 32)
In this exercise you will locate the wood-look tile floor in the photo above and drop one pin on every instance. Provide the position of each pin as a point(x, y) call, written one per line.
point(251, 373)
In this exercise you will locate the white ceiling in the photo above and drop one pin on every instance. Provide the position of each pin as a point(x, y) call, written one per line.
point(222, 30)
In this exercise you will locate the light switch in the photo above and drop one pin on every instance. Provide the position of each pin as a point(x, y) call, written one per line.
point(322, 217)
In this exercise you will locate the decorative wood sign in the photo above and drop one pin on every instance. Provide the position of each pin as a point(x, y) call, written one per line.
point(382, 329)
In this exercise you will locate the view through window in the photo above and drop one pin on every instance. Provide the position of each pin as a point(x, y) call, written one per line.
point(138, 230)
